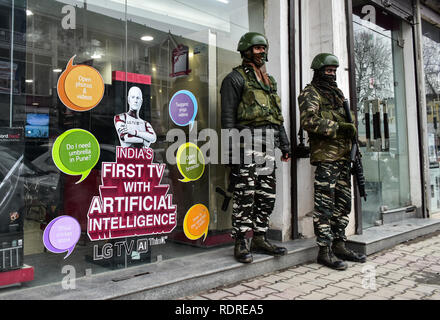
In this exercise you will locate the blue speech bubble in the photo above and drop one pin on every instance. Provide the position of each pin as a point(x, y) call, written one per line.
point(61, 235)
point(183, 108)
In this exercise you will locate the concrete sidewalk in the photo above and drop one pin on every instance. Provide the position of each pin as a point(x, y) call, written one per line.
point(408, 271)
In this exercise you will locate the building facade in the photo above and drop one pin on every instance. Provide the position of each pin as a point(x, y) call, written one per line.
point(75, 190)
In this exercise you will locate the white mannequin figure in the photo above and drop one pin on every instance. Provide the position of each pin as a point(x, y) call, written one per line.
point(132, 130)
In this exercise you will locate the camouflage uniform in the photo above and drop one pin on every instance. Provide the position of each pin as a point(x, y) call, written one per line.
point(254, 106)
point(253, 197)
point(330, 153)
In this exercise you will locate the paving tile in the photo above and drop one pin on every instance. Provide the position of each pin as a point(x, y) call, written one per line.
point(311, 275)
point(289, 294)
point(390, 256)
point(236, 289)
point(315, 296)
point(431, 258)
point(436, 254)
point(405, 271)
point(274, 278)
point(262, 292)
point(386, 293)
point(297, 280)
point(306, 288)
point(402, 262)
point(343, 296)
point(406, 249)
point(411, 295)
point(315, 266)
point(399, 287)
point(393, 276)
point(400, 298)
point(425, 289)
point(380, 260)
point(302, 269)
point(273, 297)
point(359, 292)
point(281, 274)
point(280, 286)
point(288, 273)
point(323, 271)
point(196, 298)
point(352, 272)
point(330, 290)
point(255, 283)
point(409, 282)
point(217, 295)
point(337, 276)
point(243, 296)
point(320, 282)
point(359, 280)
point(393, 266)
point(344, 284)
point(434, 268)
point(372, 297)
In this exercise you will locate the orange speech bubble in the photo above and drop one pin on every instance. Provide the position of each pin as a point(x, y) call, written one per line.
point(196, 222)
point(80, 87)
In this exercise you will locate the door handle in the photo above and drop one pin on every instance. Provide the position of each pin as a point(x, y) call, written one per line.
point(367, 123)
point(386, 128)
point(376, 125)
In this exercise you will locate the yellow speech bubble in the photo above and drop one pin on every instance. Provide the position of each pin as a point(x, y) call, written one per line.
point(196, 222)
point(80, 87)
point(190, 162)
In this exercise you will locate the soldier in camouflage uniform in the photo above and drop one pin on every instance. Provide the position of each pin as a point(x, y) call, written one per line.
point(249, 101)
point(324, 119)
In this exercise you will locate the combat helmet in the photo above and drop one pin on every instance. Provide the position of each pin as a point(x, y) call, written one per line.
point(323, 60)
point(252, 39)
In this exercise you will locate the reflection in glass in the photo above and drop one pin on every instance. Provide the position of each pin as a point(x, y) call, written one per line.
point(130, 43)
point(431, 61)
point(381, 113)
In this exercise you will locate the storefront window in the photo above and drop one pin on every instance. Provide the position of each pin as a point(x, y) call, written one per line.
point(431, 60)
point(108, 76)
point(381, 110)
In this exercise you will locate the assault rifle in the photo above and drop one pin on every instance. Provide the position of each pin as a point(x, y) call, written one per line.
point(355, 156)
point(227, 194)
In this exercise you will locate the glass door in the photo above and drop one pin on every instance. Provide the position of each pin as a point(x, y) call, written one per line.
point(431, 62)
point(380, 88)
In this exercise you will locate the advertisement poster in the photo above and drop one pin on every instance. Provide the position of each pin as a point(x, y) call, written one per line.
point(132, 201)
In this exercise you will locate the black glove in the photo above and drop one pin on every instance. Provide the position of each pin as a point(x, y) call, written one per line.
point(286, 154)
point(346, 130)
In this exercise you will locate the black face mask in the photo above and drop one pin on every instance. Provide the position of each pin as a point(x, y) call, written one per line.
point(258, 59)
point(329, 78)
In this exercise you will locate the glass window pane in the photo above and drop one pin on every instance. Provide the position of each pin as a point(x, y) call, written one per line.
point(380, 88)
point(431, 61)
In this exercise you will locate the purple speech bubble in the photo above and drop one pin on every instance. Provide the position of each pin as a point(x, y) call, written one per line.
point(62, 234)
point(183, 108)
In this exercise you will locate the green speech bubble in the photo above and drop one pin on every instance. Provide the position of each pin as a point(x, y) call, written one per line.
point(190, 162)
point(76, 152)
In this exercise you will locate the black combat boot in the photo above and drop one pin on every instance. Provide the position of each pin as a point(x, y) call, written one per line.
point(260, 244)
point(241, 251)
point(343, 253)
point(328, 259)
